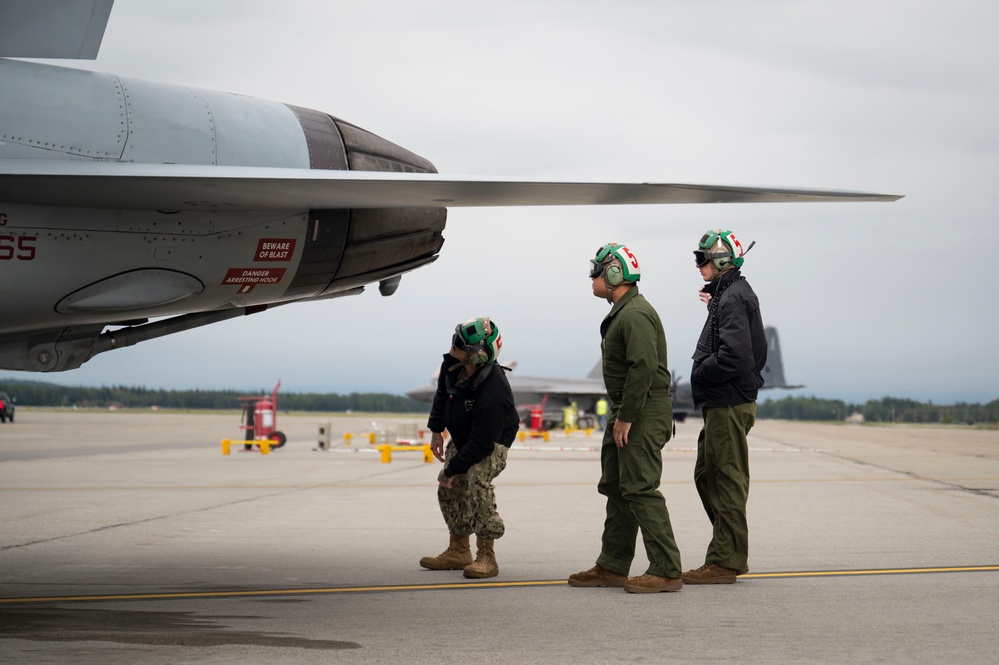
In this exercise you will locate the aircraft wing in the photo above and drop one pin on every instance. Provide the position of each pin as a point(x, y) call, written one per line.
point(170, 187)
point(69, 29)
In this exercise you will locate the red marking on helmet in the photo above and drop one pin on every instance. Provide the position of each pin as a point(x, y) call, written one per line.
point(736, 242)
point(634, 261)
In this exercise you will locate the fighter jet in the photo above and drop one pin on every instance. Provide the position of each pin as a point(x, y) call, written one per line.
point(556, 393)
point(130, 209)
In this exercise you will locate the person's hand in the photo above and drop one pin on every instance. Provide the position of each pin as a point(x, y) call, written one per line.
point(621, 430)
point(703, 295)
point(437, 445)
point(444, 480)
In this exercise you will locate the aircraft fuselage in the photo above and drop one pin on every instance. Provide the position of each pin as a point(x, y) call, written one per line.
point(70, 271)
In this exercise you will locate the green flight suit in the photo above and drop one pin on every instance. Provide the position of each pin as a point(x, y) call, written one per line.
point(635, 372)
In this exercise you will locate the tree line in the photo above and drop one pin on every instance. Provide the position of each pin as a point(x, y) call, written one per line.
point(33, 393)
point(887, 410)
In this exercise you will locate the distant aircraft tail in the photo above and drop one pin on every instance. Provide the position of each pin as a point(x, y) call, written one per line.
point(773, 373)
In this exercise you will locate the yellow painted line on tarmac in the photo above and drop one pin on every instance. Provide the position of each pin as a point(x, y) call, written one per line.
point(875, 571)
point(187, 595)
point(282, 592)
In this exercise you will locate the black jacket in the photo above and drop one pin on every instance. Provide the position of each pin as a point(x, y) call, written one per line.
point(477, 413)
point(732, 350)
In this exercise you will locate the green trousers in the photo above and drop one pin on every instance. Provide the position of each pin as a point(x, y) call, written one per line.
point(721, 476)
point(630, 480)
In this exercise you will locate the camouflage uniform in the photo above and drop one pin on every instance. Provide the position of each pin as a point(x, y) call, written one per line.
point(469, 505)
point(480, 416)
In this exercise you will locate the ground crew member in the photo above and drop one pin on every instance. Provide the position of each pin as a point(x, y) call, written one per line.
point(633, 349)
point(728, 371)
point(601, 409)
point(568, 416)
point(475, 404)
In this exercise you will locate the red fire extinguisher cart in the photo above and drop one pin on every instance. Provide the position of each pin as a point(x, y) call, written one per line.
point(259, 419)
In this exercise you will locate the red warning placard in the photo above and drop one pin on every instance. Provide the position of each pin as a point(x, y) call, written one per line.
point(274, 249)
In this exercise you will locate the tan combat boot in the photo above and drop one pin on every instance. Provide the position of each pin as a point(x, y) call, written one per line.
point(711, 573)
point(597, 576)
point(485, 560)
point(457, 555)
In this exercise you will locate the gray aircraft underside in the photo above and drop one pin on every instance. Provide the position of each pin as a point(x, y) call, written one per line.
point(123, 200)
point(556, 393)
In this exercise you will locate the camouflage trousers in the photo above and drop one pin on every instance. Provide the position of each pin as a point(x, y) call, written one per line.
point(469, 506)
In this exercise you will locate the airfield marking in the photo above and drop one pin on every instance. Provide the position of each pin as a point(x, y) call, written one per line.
point(188, 595)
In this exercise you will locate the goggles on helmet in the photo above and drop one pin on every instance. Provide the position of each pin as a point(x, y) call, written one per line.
point(479, 339)
point(732, 251)
point(612, 253)
point(597, 268)
point(703, 258)
point(707, 241)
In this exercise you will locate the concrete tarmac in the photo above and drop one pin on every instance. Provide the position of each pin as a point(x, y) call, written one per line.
point(128, 537)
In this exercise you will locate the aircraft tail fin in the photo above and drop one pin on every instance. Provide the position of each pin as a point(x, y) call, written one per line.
point(597, 372)
point(773, 373)
point(66, 29)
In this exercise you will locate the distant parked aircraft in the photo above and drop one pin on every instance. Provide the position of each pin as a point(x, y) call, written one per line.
point(557, 393)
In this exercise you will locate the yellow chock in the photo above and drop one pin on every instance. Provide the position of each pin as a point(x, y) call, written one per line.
point(589, 431)
point(386, 450)
point(347, 436)
point(371, 438)
point(265, 445)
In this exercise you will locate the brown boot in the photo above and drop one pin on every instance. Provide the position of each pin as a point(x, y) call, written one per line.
point(710, 573)
point(457, 555)
point(485, 560)
point(597, 576)
point(649, 583)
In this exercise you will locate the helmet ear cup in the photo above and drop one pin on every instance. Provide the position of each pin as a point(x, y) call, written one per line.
point(612, 274)
point(477, 355)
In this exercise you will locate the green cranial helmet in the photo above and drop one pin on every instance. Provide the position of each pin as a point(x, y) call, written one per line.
point(616, 263)
point(479, 338)
point(722, 248)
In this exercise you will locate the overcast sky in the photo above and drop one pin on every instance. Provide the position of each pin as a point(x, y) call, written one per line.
point(871, 300)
